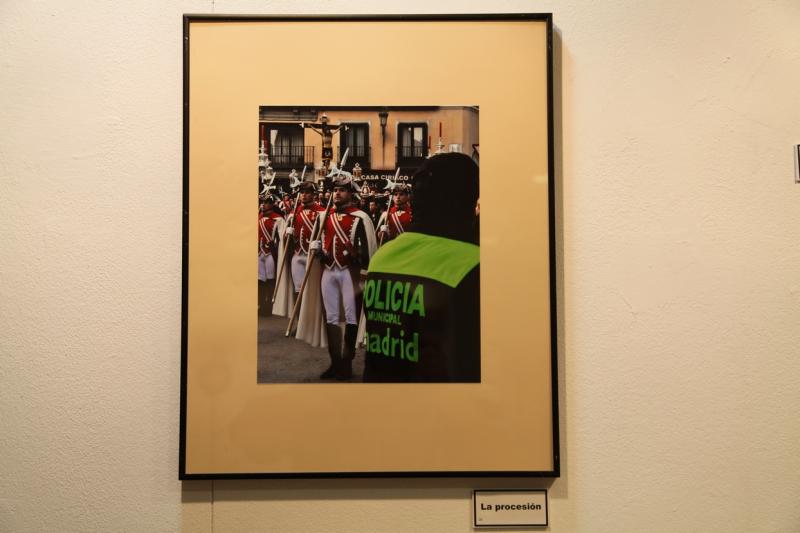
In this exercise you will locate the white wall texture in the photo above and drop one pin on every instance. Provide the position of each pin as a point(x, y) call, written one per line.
point(679, 250)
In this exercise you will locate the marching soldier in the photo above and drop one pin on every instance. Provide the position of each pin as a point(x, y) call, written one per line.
point(305, 217)
point(286, 204)
point(346, 244)
point(270, 227)
point(398, 217)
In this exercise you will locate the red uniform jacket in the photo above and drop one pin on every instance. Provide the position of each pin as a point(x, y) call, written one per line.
point(398, 220)
point(344, 242)
point(303, 223)
point(267, 241)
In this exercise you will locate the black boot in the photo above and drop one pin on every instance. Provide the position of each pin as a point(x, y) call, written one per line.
point(266, 303)
point(262, 289)
point(348, 352)
point(334, 350)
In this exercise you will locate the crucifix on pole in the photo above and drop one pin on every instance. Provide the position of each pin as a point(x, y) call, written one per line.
point(326, 131)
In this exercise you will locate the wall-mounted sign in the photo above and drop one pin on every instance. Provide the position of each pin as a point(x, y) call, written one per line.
point(503, 508)
point(406, 173)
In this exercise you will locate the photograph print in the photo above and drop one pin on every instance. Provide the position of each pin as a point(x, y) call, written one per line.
point(368, 244)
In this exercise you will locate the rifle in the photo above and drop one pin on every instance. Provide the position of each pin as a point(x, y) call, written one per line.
point(286, 241)
point(388, 206)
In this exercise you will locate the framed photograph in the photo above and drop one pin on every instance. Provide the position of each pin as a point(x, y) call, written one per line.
point(390, 311)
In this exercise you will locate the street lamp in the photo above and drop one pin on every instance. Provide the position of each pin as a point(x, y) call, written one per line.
point(383, 116)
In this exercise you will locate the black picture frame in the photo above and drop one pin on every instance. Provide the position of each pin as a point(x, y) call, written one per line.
point(188, 21)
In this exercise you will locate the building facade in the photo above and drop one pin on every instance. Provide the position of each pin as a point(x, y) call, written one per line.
point(380, 139)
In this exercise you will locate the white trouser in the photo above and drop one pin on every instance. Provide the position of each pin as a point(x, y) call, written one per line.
point(298, 269)
point(266, 267)
point(338, 290)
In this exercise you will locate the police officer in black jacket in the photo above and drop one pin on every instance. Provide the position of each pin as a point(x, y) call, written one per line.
point(422, 292)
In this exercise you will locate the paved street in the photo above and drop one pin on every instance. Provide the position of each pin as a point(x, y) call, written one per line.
point(287, 360)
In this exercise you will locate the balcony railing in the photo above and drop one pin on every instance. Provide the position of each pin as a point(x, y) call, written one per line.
point(411, 155)
point(292, 156)
point(358, 154)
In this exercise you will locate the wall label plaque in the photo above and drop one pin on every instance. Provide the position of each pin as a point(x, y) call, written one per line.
point(503, 508)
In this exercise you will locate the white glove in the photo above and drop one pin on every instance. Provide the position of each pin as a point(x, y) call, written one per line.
point(314, 246)
point(289, 231)
point(385, 228)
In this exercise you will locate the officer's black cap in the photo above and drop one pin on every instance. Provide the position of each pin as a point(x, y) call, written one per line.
point(450, 178)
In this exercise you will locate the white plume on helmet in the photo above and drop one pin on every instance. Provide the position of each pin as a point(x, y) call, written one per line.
point(392, 183)
point(268, 187)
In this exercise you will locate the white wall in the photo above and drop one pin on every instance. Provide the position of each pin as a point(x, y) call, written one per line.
point(680, 283)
